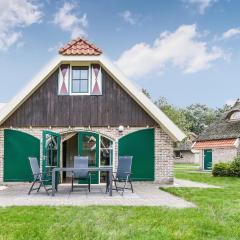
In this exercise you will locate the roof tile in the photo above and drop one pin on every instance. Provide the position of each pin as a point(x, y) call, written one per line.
point(215, 143)
point(80, 46)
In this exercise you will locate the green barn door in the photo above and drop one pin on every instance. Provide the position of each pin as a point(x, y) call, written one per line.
point(18, 146)
point(88, 145)
point(208, 159)
point(140, 145)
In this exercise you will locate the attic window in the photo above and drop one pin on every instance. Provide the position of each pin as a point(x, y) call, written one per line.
point(80, 82)
point(235, 116)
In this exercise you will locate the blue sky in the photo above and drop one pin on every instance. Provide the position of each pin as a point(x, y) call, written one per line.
point(185, 50)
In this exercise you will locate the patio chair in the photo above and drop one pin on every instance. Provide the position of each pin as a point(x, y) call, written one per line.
point(38, 177)
point(123, 174)
point(81, 162)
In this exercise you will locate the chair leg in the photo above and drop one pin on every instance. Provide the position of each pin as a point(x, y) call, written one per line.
point(72, 185)
point(124, 186)
point(45, 188)
point(89, 183)
point(108, 183)
point(130, 181)
point(115, 184)
point(39, 187)
point(31, 187)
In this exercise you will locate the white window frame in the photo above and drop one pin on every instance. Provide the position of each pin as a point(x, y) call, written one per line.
point(89, 79)
point(113, 152)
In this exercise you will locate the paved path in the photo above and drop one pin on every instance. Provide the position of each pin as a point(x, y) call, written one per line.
point(190, 184)
point(145, 194)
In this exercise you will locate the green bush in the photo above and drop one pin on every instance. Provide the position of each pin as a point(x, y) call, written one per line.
point(227, 169)
point(235, 167)
point(221, 170)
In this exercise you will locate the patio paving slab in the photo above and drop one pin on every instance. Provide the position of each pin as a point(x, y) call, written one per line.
point(145, 194)
point(190, 184)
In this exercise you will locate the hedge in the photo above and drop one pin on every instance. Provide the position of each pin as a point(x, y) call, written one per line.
point(231, 169)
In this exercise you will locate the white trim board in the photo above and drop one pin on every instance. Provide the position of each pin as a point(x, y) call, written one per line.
point(171, 129)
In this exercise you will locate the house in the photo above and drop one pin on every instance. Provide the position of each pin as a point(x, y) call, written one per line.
point(220, 141)
point(81, 104)
point(184, 153)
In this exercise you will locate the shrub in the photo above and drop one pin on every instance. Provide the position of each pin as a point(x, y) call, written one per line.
point(221, 169)
point(235, 167)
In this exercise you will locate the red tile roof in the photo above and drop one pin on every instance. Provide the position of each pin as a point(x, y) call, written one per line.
point(215, 143)
point(80, 46)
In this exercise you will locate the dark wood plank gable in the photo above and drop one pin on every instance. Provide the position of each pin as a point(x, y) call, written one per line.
point(46, 108)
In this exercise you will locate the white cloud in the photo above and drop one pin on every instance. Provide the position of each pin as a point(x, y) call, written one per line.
point(16, 14)
point(201, 5)
point(2, 105)
point(68, 21)
point(230, 102)
point(56, 47)
point(128, 17)
point(231, 33)
point(181, 48)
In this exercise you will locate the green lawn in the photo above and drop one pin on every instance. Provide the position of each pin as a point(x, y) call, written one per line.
point(217, 217)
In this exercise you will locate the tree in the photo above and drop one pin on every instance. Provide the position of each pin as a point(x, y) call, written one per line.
point(145, 91)
point(175, 114)
point(199, 117)
point(220, 111)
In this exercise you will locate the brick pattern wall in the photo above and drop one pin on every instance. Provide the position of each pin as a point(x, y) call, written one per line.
point(163, 147)
point(188, 157)
point(163, 157)
point(223, 154)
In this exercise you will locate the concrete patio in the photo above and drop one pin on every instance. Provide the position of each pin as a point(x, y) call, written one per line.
point(145, 194)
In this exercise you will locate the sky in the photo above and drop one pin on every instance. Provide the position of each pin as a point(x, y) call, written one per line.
point(185, 50)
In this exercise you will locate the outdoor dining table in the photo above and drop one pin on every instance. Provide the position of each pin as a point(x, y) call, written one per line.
point(90, 169)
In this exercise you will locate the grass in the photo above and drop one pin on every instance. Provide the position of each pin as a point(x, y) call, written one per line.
point(217, 217)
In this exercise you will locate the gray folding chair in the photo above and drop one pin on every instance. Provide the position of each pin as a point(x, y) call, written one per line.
point(81, 162)
point(123, 173)
point(38, 177)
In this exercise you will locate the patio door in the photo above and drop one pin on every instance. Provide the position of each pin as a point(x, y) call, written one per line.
point(51, 150)
point(88, 145)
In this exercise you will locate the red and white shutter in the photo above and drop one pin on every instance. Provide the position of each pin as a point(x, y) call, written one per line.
point(64, 79)
point(96, 79)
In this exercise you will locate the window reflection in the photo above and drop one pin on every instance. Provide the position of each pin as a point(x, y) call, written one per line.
point(51, 150)
point(106, 156)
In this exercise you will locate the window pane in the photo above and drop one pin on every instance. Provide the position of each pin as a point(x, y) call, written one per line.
point(106, 157)
point(76, 86)
point(84, 74)
point(106, 143)
point(89, 142)
point(91, 154)
point(84, 86)
point(76, 74)
point(103, 177)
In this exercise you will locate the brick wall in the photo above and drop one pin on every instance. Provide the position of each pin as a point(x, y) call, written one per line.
point(163, 147)
point(188, 157)
point(223, 154)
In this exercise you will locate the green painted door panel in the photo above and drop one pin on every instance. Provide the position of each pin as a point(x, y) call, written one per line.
point(18, 146)
point(51, 153)
point(88, 145)
point(208, 159)
point(140, 145)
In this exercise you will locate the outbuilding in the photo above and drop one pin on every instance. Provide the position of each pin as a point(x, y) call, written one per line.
point(220, 141)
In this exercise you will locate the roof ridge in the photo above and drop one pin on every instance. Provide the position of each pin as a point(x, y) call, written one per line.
point(75, 42)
